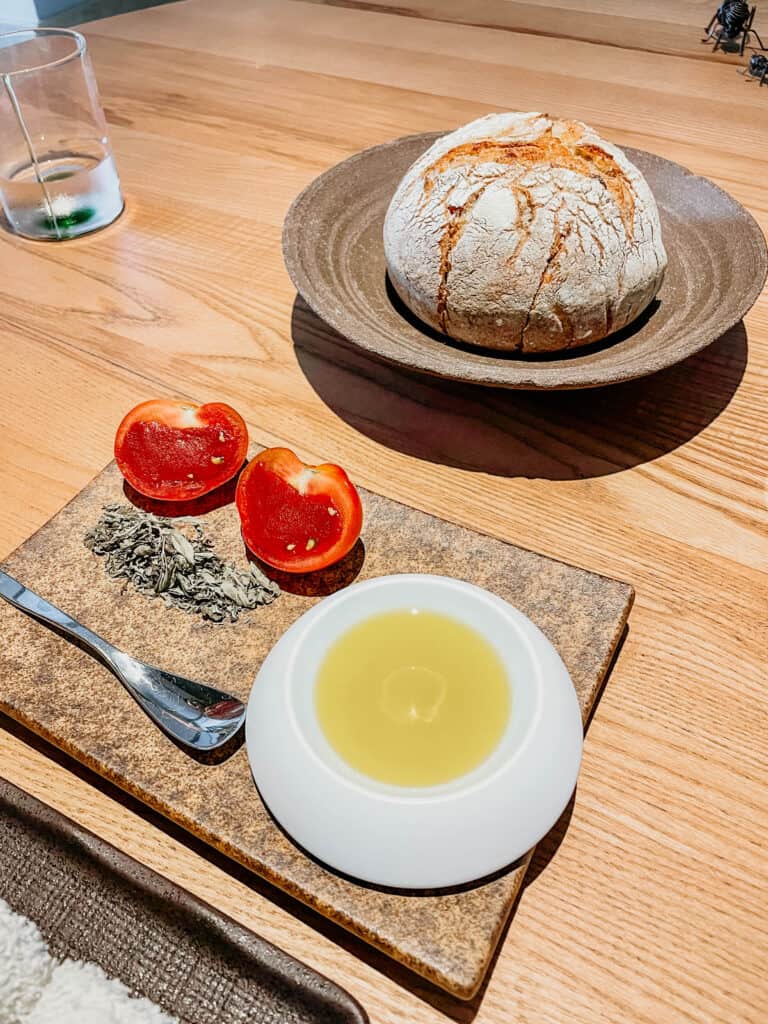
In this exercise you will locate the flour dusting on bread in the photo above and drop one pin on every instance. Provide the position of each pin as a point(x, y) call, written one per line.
point(523, 232)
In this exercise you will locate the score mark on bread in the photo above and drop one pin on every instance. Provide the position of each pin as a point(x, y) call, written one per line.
point(519, 231)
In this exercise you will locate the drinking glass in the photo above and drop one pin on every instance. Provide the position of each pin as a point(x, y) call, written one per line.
point(57, 175)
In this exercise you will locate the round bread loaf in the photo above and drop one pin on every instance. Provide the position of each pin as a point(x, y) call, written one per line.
point(522, 232)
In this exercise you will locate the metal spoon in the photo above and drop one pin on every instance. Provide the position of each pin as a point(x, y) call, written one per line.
point(196, 716)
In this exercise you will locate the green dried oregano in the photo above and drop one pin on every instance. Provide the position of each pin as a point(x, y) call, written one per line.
point(174, 560)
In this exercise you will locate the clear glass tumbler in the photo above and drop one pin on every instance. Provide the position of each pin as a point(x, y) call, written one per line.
point(57, 176)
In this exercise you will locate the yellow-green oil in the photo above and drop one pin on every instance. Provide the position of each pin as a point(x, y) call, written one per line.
point(412, 698)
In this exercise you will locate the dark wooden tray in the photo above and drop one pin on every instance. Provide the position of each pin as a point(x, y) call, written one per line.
point(93, 903)
point(68, 698)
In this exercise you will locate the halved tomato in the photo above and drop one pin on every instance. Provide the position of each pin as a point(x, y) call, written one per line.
point(296, 517)
point(173, 450)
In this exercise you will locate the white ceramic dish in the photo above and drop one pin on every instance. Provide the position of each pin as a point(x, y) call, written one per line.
point(415, 837)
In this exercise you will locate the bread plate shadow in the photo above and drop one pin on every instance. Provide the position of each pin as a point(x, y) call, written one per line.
point(557, 435)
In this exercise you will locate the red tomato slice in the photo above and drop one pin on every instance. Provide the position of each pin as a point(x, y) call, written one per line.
point(295, 517)
point(174, 450)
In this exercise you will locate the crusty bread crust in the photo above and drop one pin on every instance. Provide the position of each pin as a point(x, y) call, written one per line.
point(522, 232)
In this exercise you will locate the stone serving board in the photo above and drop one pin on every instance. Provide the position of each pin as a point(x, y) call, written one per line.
point(62, 694)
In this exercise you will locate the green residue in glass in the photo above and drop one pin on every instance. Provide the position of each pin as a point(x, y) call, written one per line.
point(70, 220)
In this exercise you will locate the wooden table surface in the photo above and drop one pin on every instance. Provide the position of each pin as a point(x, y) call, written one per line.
point(651, 905)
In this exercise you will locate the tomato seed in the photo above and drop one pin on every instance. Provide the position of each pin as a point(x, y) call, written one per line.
point(332, 512)
point(217, 459)
point(311, 543)
point(290, 547)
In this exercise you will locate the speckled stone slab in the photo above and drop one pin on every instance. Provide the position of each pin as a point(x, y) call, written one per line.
point(64, 695)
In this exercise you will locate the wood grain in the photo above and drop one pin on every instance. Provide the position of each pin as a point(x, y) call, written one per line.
point(220, 114)
point(657, 26)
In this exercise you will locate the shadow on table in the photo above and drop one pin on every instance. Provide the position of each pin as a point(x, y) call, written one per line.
point(555, 435)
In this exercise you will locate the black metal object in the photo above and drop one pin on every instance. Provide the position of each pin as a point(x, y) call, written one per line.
point(758, 67)
point(731, 26)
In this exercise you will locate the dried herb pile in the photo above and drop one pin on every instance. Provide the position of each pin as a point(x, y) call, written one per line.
point(178, 565)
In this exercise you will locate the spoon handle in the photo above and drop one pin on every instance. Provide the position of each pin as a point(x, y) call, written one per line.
point(199, 717)
point(28, 601)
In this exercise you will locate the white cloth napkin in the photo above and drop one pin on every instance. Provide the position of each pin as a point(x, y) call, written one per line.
point(37, 989)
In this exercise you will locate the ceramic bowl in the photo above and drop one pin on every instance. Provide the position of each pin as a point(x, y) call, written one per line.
point(415, 837)
point(334, 252)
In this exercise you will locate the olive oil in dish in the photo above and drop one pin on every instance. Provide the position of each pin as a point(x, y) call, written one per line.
point(412, 698)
